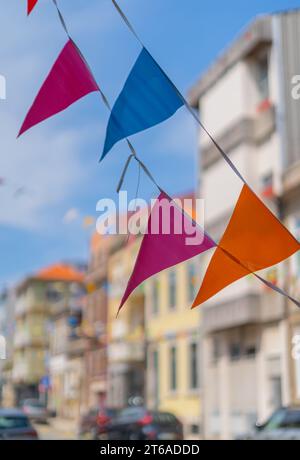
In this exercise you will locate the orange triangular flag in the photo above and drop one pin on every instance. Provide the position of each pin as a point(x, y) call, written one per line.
point(254, 239)
point(30, 5)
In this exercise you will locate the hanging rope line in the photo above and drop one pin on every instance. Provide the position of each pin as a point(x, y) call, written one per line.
point(185, 102)
point(143, 166)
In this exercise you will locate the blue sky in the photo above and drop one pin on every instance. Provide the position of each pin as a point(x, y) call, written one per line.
point(57, 161)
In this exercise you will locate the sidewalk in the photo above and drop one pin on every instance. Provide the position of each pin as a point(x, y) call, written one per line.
point(66, 427)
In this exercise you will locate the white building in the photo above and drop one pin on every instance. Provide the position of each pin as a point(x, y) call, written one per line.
point(244, 100)
point(7, 326)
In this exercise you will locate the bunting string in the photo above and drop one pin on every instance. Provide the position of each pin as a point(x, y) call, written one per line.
point(63, 23)
point(103, 96)
point(263, 280)
point(216, 144)
point(185, 102)
point(124, 172)
point(143, 167)
point(277, 289)
point(127, 22)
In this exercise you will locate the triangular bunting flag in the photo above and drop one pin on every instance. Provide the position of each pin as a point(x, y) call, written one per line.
point(162, 249)
point(69, 80)
point(254, 240)
point(147, 99)
point(30, 5)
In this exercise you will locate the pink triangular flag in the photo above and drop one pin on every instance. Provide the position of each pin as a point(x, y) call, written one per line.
point(69, 80)
point(160, 250)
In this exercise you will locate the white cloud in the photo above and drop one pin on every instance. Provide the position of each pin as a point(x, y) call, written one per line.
point(46, 160)
point(71, 216)
point(45, 164)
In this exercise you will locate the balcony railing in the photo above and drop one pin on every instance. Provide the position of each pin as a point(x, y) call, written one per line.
point(77, 347)
point(26, 339)
point(126, 352)
point(27, 372)
point(25, 307)
point(249, 309)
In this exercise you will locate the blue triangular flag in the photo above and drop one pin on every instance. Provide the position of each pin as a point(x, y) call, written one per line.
point(147, 99)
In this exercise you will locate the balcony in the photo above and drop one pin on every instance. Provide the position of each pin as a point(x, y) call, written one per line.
point(59, 308)
point(258, 34)
point(24, 307)
point(77, 347)
point(126, 352)
point(250, 309)
point(20, 371)
point(28, 372)
point(252, 130)
point(20, 308)
point(25, 339)
point(291, 181)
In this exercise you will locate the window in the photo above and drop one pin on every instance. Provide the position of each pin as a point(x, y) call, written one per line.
point(194, 371)
point(297, 256)
point(216, 349)
point(283, 418)
point(172, 289)
point(235, 351)
point(12, 423)
point(276, 392)
point(195, 429)
point(192, 282)
point(292, 419)
point(296, 359)
point(262, 77)
point(173, 369)
point(250, 352)
point(155, 368)
point(155, 297)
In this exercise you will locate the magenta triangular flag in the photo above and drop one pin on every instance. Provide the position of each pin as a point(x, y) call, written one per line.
point(69, 80)
point(161, 249)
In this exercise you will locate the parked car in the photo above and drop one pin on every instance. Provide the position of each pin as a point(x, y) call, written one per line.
point(15, 425)
point(284, 424)
point(35, 410)
point(138, 423)
point(94, 424)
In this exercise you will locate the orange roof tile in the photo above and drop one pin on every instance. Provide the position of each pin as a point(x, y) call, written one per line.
point(60, 272)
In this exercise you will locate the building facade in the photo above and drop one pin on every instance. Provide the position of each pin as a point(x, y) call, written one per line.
point(245, 101)
point(31, 339)
point(173, 346)
point(67, 345)
point(33, 326)
point(126, 346)
point(95, 317)
point(288, 31)
point(7, 327)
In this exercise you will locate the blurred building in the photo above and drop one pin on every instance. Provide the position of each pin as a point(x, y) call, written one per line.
point(67, 345)
point(288, 30)
point(3, 298)
point(95, 320)
point(173, 344)
point(7, 326)
point(173, 339)
point(34, 298)
point(7, 329)
point(126, 348)
point(245, 101)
